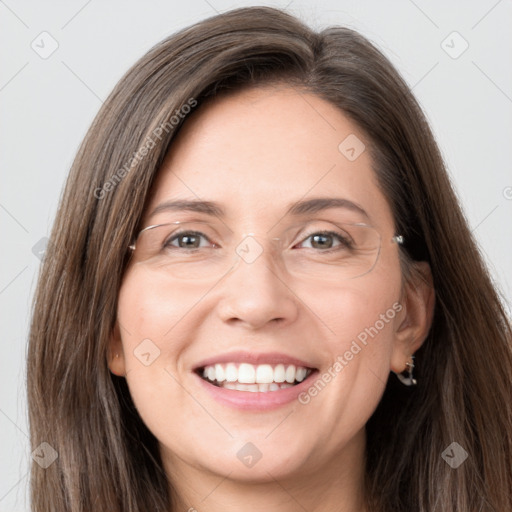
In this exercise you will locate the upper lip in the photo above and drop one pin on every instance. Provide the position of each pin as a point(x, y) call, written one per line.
point(253, 358)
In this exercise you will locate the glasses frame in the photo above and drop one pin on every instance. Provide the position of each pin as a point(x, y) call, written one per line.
point(398, 239)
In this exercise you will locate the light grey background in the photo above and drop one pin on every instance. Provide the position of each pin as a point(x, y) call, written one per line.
point(48, 104)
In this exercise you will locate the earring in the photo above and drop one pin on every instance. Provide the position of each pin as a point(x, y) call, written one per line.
point(407, 380)
point(116, 356)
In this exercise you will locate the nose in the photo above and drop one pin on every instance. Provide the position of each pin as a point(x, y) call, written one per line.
point(255, 291)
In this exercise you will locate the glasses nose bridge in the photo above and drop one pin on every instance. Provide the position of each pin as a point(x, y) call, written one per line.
point(253, 246)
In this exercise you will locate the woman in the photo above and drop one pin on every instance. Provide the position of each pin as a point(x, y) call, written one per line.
point(257, 237)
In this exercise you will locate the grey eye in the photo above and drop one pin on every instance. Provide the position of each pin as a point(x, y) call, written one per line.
point(187, 239)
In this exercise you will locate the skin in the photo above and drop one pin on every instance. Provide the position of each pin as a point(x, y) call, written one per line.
point(256, 151)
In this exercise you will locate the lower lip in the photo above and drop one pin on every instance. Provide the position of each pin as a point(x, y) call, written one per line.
point(256, 401)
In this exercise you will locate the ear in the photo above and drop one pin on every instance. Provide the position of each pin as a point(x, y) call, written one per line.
point(115, 357)
point(418, 300)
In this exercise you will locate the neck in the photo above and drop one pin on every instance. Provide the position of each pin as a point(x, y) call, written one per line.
point(335, 484)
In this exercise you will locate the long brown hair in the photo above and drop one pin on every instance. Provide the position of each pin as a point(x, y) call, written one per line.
point(107, 458)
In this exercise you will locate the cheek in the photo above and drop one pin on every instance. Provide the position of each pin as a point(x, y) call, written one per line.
point(150, 309)
point(362, 318)
point(149, 319)
point(361, 313)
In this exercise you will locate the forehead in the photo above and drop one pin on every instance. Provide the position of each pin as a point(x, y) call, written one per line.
point(258, 150)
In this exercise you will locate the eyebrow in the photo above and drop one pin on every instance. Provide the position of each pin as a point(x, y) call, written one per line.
point(297, 209)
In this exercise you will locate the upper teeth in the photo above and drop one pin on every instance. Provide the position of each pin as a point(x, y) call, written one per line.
point(245, 373)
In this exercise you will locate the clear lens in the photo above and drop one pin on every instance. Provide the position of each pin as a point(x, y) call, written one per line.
point(318, 250)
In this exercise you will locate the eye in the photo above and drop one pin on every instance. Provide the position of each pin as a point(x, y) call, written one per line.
point(325, 240)
point(187, 239)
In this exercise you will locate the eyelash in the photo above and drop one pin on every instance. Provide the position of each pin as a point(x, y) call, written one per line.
point(343, 241)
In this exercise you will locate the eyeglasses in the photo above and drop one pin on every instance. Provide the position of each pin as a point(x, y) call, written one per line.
point(204, 250)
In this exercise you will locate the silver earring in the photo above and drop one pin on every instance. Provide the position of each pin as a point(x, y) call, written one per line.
point(408, 379)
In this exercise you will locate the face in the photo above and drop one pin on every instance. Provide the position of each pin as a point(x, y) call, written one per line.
point(255, 153)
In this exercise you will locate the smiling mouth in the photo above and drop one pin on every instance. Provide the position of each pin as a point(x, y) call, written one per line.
point(254, 378)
